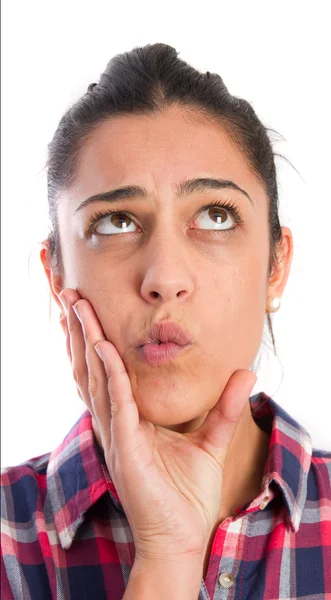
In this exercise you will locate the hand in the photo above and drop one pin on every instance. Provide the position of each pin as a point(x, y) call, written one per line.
point(170, 484)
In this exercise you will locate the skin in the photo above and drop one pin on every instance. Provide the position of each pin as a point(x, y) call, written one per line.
point(174, 264)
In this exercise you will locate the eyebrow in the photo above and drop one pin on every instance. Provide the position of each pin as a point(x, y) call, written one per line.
point(184, 188)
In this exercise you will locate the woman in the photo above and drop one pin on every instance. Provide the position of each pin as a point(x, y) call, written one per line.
point(165, 254)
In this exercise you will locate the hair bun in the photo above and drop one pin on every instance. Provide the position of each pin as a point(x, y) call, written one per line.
point(91, 86)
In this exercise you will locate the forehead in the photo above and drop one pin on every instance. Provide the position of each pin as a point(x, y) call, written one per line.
point(158, 150)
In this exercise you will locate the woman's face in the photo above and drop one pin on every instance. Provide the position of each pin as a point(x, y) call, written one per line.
point(170, 263)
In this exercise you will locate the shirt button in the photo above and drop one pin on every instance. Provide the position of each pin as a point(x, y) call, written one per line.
point(264, 502)
point(226, 580)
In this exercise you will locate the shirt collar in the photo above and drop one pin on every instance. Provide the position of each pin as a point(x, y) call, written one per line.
point(76, 478)
point(289, 456)
point(77, 475)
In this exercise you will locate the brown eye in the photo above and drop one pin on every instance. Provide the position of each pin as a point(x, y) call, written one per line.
point(215, 215)
point(114, 223)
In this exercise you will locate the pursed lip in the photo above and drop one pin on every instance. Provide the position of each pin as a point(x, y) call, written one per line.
point(166, 331)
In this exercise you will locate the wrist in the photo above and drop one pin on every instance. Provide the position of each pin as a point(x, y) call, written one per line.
point(173, 579)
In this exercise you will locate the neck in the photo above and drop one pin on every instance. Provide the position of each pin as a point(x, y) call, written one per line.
point(244, 464)
point(243, 471)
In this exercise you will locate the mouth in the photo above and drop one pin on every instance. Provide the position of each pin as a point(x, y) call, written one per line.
point(164, 341)
point(161, 353)
point(162, 332)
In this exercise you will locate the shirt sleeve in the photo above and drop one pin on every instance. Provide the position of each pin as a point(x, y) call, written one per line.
point(6, 593)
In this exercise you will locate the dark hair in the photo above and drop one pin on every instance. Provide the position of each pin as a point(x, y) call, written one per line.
point(145, 81)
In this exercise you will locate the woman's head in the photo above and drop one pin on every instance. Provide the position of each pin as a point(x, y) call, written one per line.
point(156, 123)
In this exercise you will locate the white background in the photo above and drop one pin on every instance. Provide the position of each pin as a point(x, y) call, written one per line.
point(275, 55)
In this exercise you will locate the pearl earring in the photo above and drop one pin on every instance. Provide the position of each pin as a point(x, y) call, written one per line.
point(273, 304)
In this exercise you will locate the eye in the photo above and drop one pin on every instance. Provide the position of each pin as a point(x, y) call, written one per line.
point(219, 214)
point(216, 214)
point(119, 221)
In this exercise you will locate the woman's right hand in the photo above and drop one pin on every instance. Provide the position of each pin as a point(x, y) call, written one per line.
point(170, 484)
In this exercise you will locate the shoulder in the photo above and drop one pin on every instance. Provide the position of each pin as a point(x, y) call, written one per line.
point(21, 488)
point(23, 491)
point(321, 461)
point(319, 476)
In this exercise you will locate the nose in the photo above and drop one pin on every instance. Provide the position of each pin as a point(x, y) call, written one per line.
point(167, 275)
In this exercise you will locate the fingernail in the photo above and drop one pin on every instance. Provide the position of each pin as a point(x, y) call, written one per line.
point(98, 351)
point(64, 303)
point(77, 313)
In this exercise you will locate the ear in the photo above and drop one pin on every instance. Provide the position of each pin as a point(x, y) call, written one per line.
point(279, 275)
point(55, 279)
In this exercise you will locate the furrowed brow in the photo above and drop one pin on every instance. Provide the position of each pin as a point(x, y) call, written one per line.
point(184, 188)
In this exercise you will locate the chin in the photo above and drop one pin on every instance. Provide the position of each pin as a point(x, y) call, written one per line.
point(168, 408)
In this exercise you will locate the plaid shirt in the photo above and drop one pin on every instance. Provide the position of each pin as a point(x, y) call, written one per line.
point(65, 534)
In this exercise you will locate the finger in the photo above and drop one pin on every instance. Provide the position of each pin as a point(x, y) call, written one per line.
point(76, 347)
point(67, 297)
point(217, 430)
point(126, 433)
point(97, 385)
point(64, 325)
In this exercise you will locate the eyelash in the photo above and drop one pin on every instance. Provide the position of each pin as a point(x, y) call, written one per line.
point(229, 206)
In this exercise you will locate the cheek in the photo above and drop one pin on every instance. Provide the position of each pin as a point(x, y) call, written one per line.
point(236, 314)
point(107, 296)
point(233, 289)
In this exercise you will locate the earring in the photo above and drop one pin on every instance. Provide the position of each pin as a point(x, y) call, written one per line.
point(273, 304)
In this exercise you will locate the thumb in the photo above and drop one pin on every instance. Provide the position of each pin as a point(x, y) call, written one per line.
point(217, 430)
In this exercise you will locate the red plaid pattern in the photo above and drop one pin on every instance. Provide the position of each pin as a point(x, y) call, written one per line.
point(65, 535)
